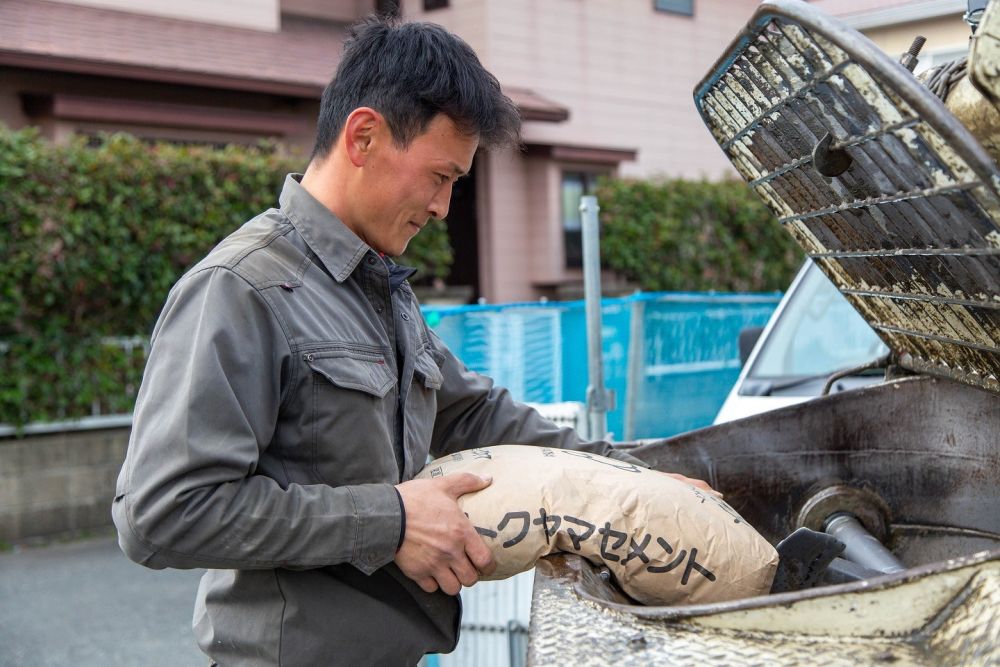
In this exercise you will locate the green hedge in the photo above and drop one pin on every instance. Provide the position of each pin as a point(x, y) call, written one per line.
point(95, 233)
point(693, 236)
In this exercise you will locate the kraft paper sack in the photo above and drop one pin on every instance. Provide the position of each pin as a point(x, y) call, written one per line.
point(665, 541)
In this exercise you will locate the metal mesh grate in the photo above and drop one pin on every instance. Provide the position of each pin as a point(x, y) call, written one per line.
point(908, 226)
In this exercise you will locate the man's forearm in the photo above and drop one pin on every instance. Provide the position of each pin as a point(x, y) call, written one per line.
point(253, 523)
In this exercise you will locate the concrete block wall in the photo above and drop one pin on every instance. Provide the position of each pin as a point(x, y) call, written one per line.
point(58, 482)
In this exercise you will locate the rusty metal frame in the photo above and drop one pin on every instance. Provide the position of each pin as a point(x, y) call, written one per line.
point(934, 300)
point(868, 54)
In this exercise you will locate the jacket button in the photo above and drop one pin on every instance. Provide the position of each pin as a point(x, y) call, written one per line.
point(405, 316)
point(379, 309)
point(310, 357)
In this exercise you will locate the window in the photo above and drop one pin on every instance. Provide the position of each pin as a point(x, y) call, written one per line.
point(685, 7)
point(387, 7)
point(434, 4)
point(804, 341)
point(575, 184)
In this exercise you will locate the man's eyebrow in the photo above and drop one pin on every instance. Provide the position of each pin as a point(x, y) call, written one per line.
point(458, 171)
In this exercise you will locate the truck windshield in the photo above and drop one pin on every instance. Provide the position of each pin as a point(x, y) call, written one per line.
point(817, 333)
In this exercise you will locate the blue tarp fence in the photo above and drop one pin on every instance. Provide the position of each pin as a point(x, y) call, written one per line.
point(670, 357)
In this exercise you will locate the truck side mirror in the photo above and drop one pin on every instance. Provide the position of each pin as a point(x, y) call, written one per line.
point(748, 338)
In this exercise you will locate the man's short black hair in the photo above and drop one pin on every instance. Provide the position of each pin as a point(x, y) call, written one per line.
point(409, 73)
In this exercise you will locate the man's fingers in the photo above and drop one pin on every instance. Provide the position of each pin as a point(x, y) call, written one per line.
point(427, 584)
point(448, 582)
point(466, 482)
point(480, 555)
point(465, 573)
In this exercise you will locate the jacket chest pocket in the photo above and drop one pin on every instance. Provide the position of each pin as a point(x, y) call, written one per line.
point(352, 417)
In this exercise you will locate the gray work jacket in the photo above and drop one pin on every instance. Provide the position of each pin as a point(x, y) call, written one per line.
point(285, 384)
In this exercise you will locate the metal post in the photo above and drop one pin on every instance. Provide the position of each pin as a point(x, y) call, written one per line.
point(599, 399)
point(635, 364)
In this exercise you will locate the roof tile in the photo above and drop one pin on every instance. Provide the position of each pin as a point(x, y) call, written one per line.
point(303, 52)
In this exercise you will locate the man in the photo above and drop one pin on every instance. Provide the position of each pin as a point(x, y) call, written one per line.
point(293, 390)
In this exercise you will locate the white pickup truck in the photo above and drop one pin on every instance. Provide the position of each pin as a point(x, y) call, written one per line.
point(813, 333)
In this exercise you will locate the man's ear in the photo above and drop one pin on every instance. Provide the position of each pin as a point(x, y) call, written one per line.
point(360, 131)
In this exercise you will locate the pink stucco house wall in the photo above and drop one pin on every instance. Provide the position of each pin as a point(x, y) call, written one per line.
point(604, 87)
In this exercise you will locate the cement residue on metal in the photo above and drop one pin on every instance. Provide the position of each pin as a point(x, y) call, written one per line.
point(740, 93)
point(798, 68)
point(974, 331)
point(977, 114)
point(984, 54)
point(911, 138)
point(800, 39)
point(987, 199)
point(872, 94)
point(725, 112)
point(744, 116)
point(770, 75)
point(773, 201)
point(810, 243)
point(742, 150)
point(942, 290)
point(908, 191)
point(763, 102)
point(923, 319)
point(965, 636)
point(834, 52)
point(719, 124)
point(840, 111)
point(960, 168)
point(791, 64)
point(921, 620)
point(832, 268)
point(936, 364)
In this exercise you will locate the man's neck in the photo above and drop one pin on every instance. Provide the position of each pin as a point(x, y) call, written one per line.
point(326, 183)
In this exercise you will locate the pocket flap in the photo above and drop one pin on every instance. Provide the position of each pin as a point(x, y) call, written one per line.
point(426, 368)
point(369, 374)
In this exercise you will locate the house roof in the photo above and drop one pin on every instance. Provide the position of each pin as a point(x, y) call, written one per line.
point(865, 14)
point(298, 60)
point(536, 107)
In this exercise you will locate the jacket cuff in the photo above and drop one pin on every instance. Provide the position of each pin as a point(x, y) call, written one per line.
point(402, 520)
point(379, 518)
point(625, 457)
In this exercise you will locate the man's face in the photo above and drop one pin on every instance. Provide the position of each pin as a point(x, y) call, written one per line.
point(403, 188)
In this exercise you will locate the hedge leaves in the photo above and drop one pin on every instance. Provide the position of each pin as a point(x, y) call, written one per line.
point(677, 235)
point(95, 233)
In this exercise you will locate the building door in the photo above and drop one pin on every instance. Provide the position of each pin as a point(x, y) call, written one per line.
point(463, 233)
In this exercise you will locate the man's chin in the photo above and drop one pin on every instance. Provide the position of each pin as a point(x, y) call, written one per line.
point(396, 250)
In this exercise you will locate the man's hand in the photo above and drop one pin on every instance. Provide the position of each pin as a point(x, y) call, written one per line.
point(697, 483)
point(441, 548)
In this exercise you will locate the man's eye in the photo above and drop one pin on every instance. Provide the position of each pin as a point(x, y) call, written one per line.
point(441, 178)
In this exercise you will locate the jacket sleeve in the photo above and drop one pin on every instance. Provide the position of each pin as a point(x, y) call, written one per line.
point(473, 412)
point(189, 494)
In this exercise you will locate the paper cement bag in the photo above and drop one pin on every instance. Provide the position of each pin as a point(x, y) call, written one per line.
point(665, 542)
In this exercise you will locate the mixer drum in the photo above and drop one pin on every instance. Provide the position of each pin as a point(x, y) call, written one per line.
point(899, 205)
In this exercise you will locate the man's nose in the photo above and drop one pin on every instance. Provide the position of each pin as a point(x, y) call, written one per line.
point(438, 208)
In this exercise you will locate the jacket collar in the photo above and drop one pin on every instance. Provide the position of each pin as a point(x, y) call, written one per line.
point(338, 248)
